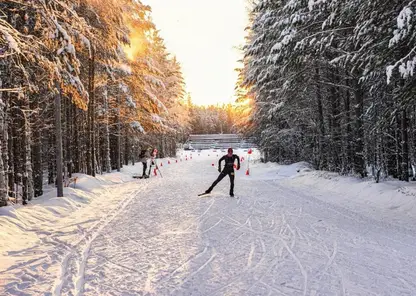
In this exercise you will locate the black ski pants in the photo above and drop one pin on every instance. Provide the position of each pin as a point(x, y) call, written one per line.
point(144, 167)
point(222, 176)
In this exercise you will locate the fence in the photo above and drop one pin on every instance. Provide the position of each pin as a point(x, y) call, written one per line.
point(217, 141)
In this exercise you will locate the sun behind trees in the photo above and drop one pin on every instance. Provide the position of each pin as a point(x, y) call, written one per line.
point(117, 82)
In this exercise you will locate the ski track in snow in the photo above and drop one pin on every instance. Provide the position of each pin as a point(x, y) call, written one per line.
point(78, 255)
point(273, 240)
point(67, 250)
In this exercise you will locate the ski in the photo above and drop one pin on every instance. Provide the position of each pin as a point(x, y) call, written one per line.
point(140, 177)
point(202, 194)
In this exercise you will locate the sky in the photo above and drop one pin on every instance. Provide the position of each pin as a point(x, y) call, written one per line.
point(204, 36)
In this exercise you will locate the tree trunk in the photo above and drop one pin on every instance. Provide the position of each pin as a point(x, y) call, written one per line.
point(59, 166)
point(321, 124)
point(69, 137)
point(336, 127)
point(126, 148)
point(51, 158)
point(412, 144)
point(359, 161)
point(118, 136)
point(77, 126)
point(107, 155)
point(3, 183)
point(348, 137)
point(17, 153)
point(398, 150)
point(3, 139)
point(11, 159)
point(88, 128)
point(37, 151)
point(92, 114)
point(37, 164)
point(405, 146)
point(27, 152)
point(23, 144)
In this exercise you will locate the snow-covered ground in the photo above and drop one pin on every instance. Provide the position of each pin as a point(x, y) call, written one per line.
point(291, 231)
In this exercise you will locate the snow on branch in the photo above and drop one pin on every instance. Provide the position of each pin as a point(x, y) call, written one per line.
point(12, 43)
point(126, 69)
point(130, 102)
point(406, 66)
point(159, 120)
point(137, 126)
point(154, 81)
point(155, 100)
point(405, 27)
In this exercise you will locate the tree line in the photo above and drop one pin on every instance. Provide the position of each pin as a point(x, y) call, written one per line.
point(212, 119)
point(332, 83)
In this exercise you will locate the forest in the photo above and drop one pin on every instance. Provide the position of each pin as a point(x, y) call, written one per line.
point(84, 85)
point(332, 83)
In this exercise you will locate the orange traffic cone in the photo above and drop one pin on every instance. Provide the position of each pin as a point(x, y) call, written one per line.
point(248, 172)
point(161, 164)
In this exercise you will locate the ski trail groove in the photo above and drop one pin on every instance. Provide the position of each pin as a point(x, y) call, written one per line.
point(186, 262)
point(79, 253)
point(211, 227)
point(250, 255)
point(189, 277)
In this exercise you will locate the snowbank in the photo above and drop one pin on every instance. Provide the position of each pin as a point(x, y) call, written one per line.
point(25, 226)
point(394, 201)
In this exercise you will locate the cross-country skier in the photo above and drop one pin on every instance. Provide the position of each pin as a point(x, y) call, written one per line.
point(143, 158)
point(229, 160)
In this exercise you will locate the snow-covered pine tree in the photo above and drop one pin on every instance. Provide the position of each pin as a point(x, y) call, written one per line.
point(331, 83)
point(81, 45)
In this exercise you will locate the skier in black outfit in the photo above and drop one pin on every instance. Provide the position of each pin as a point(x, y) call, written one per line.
point(143, 158)
point(228, 170)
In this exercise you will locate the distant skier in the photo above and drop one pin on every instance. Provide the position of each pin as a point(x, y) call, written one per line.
point(229, 160)
point(144, 156)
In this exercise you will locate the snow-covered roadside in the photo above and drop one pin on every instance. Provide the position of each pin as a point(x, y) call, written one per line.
point(29, 232)
point(388, 201)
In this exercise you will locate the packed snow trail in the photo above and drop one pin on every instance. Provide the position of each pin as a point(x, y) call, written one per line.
point(272, 240)
point(162, 239)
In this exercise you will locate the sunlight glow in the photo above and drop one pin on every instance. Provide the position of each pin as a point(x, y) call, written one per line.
point(204, 35)
point(136, 47)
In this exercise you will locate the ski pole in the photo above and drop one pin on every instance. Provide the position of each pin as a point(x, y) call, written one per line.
point(157, 167)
